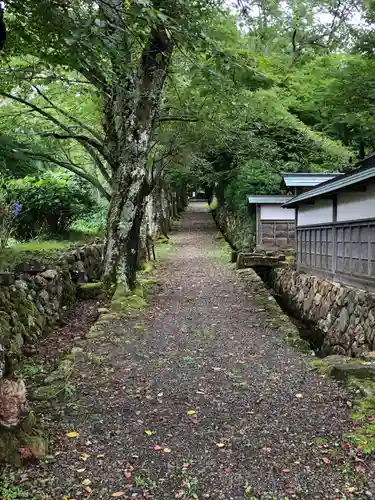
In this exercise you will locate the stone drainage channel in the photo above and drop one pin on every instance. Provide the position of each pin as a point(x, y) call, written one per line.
point(307, 330)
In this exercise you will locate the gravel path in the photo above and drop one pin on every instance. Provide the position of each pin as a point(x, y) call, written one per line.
point(197, 398)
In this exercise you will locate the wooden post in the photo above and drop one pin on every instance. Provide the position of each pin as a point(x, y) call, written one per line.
point(258, 229)
point(334, 234)
point(296, 238)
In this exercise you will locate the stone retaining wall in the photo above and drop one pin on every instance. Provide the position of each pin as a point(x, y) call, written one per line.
point(345, 316)
point(239, 230)
point(35, 296)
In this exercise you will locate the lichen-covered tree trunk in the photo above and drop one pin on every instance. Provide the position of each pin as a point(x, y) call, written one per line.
point(134, 105)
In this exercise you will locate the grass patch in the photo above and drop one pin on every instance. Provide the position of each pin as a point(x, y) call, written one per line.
point(189, 361)
point(320, 366)
point(363, 436)
point(40, 246)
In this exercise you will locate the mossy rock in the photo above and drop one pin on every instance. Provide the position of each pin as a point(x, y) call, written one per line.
point(148, 267)
point(90, 291)
point(63, 370)
point(38, 446)
point(354, 369)
point(344, 368)
point(123, 299)
point(365, 387)
point(9, 447)
point(46, 392)
point(96, 331)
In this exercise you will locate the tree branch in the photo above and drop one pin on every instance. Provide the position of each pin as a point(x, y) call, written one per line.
point(162, 119)
point(69, 116)
point(82, 139)
point(69, 166)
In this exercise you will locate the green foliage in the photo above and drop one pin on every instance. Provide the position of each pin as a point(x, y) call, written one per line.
point(8, 216)
point(50, 204)
point(94, 222)
point(9, 491)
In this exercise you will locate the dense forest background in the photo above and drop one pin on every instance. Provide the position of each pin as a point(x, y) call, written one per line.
point(111, 111)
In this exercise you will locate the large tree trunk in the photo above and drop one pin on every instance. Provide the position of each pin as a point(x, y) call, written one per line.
point(134, 106)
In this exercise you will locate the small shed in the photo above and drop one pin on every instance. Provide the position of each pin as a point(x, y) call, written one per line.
point(335, 225)
point(275, 226)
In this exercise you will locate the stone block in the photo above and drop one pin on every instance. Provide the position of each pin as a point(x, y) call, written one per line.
point(6, 279)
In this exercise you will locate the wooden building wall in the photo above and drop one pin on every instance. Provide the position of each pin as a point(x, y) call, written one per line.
point(343, 248)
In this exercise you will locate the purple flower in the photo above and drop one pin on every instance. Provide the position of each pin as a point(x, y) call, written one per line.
point(17, 207)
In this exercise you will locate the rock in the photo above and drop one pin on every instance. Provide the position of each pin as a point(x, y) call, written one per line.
point(76, 351)
point(37, 446)
point(6, 279)
point(2, 361)
point(90, 291)
point(21, 285)
point(353, 369)
point(103, 310)
point(49, 274)
point(46, 392)
point(343, 319)
point(30, 268)
point(63, 371)
point(43, 296)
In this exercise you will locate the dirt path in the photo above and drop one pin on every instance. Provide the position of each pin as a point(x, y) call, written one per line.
point(265, 426)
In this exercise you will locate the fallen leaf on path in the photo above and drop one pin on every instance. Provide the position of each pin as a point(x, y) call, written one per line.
point(285, 470)
point(101, 455)
point(84, 457)
point(167, 450)
point(157, 447)
point(299, 396)
point(118, 494)
point(326, 460)
point(351, 489)
point(185, 465)
point(220, 445)
point(86, 482)
point(191, 412)
point(128, 471)
point(72, 434)
point(81, 470)
point(148, 432)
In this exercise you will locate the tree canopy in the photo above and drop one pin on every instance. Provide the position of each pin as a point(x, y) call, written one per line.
point(143, 96)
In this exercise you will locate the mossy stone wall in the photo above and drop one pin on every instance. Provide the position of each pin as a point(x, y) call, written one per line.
point(35, 295)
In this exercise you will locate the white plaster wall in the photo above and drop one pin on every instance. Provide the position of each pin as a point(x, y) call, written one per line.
point(319, 213)
point(356, 205)
point(276, 212)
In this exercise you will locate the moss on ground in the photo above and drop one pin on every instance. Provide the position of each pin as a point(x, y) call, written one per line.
point(363, 434)
point(39, 252)
point(90, 291)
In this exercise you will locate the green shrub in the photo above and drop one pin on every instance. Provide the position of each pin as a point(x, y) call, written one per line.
point(94, 222)
point(50, 204)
